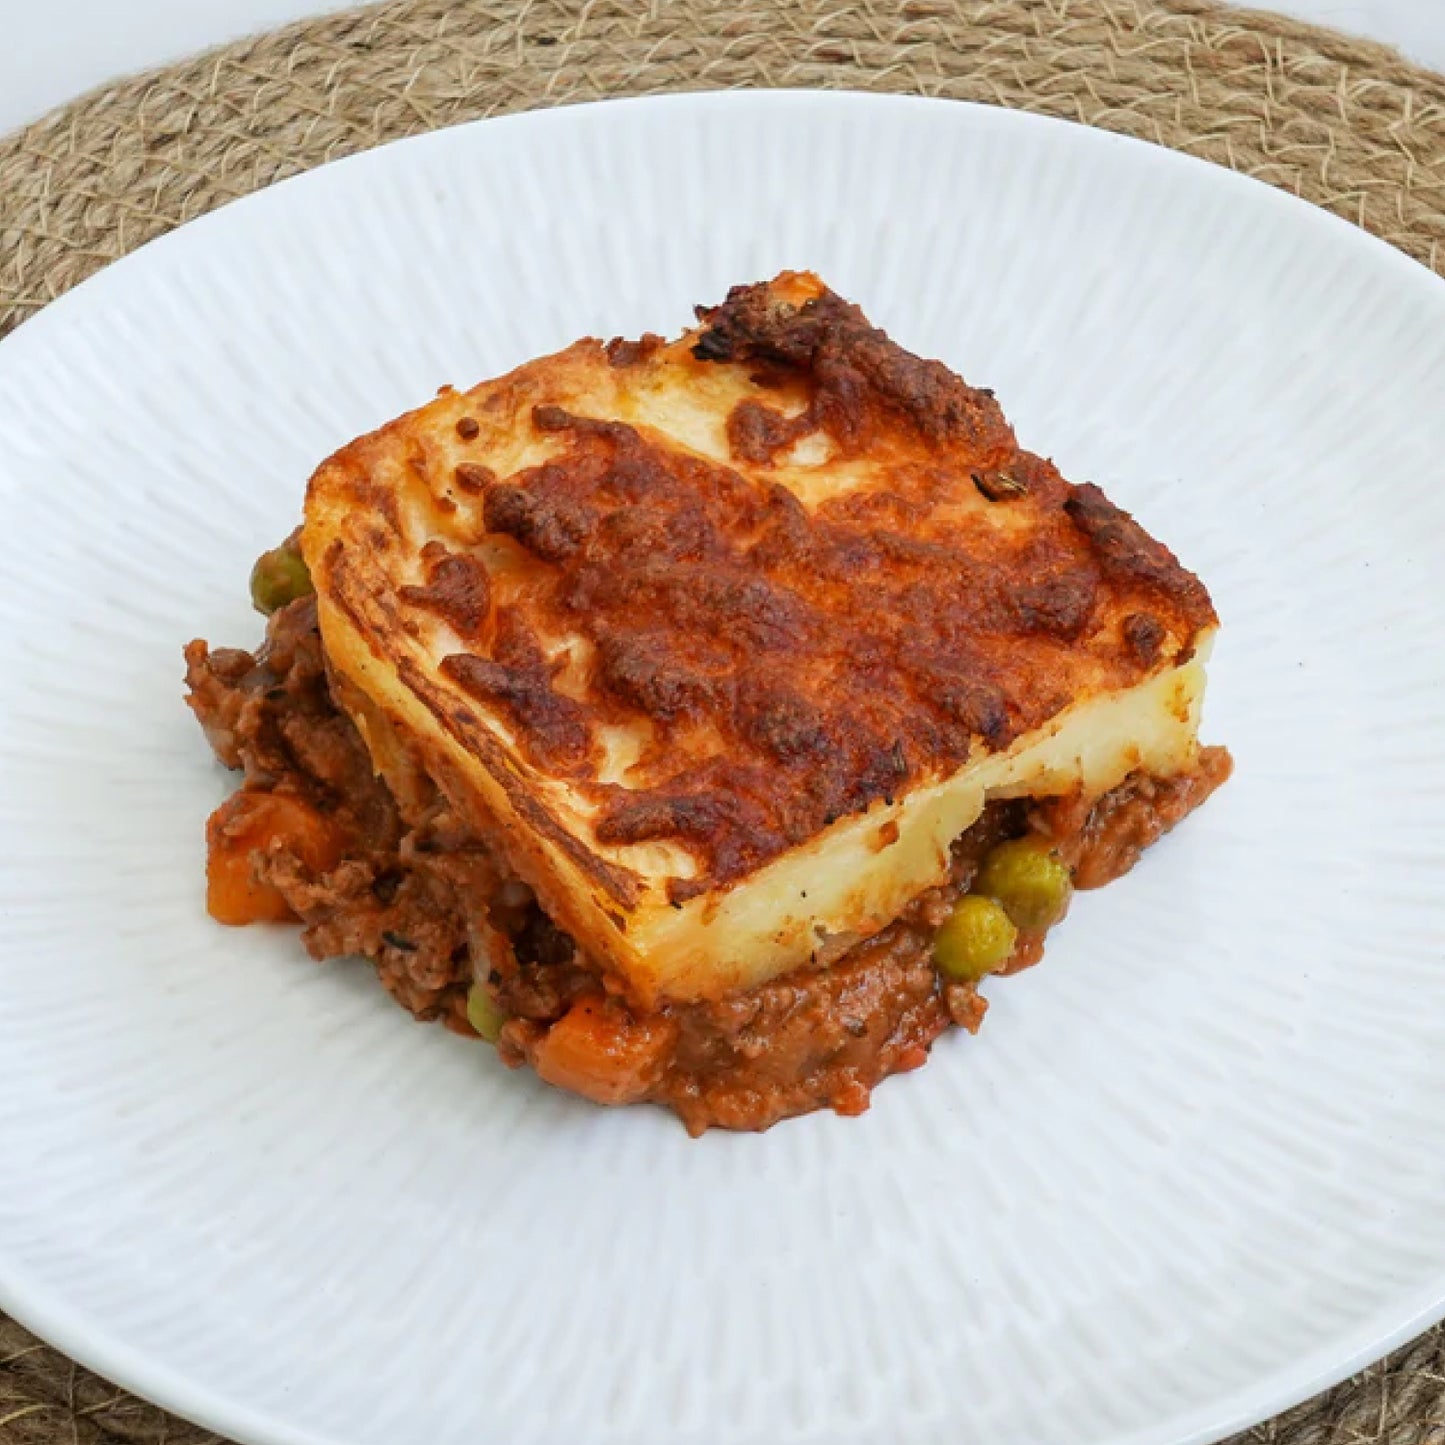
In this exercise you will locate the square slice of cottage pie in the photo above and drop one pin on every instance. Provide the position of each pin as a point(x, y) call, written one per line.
point(701, 721)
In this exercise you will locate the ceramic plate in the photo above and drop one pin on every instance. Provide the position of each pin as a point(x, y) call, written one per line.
point(1192, 1169)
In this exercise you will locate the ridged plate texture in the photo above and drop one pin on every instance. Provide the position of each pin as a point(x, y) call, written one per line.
point(1192, 1169)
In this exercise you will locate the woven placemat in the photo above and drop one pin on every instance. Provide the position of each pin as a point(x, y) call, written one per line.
point(1345, 123)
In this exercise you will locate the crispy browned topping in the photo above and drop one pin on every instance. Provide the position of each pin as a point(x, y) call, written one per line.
point(621, 352)
point(457, 589)
point(1144, 634)
point(473, 478)
point(756, 433)
point(380, 500)
point(551, 529)
point(837, 654)
point(1128, 554)
point(778, 663)
point(861, 378)
point(518, 680)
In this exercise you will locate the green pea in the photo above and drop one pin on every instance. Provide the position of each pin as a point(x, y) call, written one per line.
point(279, 576)
point(1033, 886)
point(978, 937)
point(483, 1013)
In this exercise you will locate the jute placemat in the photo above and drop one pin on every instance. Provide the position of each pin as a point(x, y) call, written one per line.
point(1345, 123)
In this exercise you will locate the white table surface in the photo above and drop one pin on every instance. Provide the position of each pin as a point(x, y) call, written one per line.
point(55, 49)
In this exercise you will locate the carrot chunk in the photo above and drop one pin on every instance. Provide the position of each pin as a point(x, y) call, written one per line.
point(604, 1053)
point(247, 824)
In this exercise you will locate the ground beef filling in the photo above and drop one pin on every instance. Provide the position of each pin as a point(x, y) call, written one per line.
point(314, 834)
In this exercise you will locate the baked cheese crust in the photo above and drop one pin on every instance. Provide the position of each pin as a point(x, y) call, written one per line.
point(725, 640)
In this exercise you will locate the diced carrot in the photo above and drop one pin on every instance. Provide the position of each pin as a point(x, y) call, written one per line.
point(248, 823)
point(603, 1053)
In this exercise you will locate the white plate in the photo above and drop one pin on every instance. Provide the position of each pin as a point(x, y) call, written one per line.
point(1192, 1169)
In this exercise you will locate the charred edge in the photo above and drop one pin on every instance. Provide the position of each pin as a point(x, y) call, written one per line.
point(851, 361)
point(621, 352)
point(1129, 554)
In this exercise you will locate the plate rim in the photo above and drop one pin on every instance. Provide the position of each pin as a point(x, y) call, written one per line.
point(47, 1314)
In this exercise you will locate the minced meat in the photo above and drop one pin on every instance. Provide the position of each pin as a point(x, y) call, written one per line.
point(437, 911)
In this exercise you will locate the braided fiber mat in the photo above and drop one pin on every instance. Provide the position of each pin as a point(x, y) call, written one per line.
point(1345, 123)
